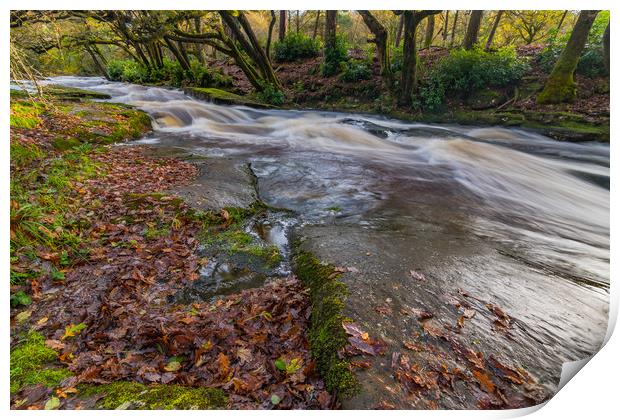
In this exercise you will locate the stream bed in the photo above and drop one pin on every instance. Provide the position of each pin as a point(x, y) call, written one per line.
point(421, 217)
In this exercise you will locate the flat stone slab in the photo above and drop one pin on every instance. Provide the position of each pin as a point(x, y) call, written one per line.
point(222, 183)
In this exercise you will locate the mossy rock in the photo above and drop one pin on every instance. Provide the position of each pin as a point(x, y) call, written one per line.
point(485, 99)
point(219, 96)
point(69, 93)
point(65, 143)
point(326, 335)
point(133, 395)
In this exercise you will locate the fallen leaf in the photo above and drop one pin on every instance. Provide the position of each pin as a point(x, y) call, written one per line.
point(417, 276)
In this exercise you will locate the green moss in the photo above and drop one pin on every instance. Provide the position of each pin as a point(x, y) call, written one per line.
point(326, 335)
point(29, 364)
point(559, 88)
point(65, 143)
point(159, 397)
point(69, 93)
point(220, 96)
point(24, 154)
point(156, 232)
point(25, 114)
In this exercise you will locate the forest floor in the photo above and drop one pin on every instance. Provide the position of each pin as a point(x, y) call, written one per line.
point(99, 252)
point(585, 119)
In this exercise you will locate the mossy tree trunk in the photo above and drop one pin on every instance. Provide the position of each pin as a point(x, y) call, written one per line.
point(561, 86)
point(330, 29)
point(381, 41)
point(272, 23)
point(316, 24)
point(473, 28)
point(606, 48)
point(411, 19)
point(430, 31)
point(498, 17)
point(399, 32)
point(444, 35)
point(453, 32)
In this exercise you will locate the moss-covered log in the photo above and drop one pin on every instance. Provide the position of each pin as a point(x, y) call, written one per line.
point(327, 336)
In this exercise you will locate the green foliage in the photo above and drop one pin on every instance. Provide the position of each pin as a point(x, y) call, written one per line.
point(465, 71)
point(132, 395)
point(271, 95)
point(20, 298)
point(28, 364)
point(296, 46)
point(397, 59)
point(334, 57)
point(354, 71)
point(170, 73)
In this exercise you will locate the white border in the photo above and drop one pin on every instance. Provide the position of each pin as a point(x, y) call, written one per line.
point(593, 394)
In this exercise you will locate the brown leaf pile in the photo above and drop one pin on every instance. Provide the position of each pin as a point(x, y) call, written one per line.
point(123, 294)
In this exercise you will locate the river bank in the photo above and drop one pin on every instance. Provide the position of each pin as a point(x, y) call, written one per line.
point(587, 119)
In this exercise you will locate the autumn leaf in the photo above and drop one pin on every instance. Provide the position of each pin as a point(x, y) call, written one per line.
point(224, 365)
point(73, 330)
point(486, 384)
point(417, 276)
point(52, 404)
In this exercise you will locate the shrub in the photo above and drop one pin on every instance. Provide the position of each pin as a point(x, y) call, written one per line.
point(271, 95)
point(296, 46)
point(334, 57)
point(465, 71)
point(397, 59)
point(591, 63)
point(354, 70)
point(170, 73)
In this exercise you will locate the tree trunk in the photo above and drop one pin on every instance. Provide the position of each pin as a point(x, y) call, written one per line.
point(399, 31)
point(560, 86)
point(606, 48)
point(250, 45)
point(316, 24)
point(297, 22)
point(456, 18)
point(330, 29)
point(430, 31)
point(177, 54)
point(272, 23)
point(444, 35)
point(282, 25)
point(557, 30)
point(487, 47)
point(198, 47)
point(101, 67)
point(380, 40)
point(473, 27)
point(408, 74)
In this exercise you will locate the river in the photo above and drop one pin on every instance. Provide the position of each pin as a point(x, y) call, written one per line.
point(505, 216)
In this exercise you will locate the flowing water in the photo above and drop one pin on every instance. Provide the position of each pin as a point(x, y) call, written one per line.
point(508, 215)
